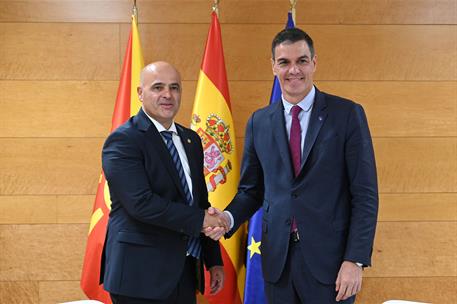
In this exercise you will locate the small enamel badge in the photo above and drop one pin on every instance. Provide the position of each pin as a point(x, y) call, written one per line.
point(188, 140)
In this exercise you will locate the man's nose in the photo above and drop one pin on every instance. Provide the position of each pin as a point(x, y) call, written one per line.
point(166, 93)
point(294, 69)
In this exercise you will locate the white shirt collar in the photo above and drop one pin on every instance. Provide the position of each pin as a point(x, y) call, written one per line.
point(306, 103)
point(160, 127)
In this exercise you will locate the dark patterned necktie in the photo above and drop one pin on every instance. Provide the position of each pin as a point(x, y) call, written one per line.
point(193, 246)
point(295, 148)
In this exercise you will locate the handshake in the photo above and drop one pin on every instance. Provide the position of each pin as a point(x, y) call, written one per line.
point(216, 223)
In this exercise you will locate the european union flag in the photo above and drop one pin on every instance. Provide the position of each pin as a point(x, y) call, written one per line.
point(253, 288)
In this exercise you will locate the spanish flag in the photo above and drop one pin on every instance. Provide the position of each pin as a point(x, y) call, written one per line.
point(212, 120)
point(127, 104)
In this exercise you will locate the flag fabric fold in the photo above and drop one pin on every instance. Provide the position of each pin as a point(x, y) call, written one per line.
point(212, 120)
point(254, 286)
point(127, 104)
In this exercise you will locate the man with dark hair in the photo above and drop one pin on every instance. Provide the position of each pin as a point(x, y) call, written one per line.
point(309, 161)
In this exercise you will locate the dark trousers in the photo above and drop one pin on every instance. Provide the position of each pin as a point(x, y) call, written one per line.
point(184, 293)
point(298, 286)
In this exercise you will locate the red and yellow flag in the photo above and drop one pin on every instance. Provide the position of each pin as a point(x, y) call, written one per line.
point(212, 120)
point(127, 104)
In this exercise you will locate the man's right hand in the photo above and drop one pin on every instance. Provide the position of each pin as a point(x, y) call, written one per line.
point(215, 224)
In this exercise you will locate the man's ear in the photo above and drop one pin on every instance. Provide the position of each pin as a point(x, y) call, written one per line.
point(315, 62)
point(273, 66)
point(139, 91)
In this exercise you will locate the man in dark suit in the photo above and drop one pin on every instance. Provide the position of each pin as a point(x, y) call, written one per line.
point(154, 169)
point(309, 161)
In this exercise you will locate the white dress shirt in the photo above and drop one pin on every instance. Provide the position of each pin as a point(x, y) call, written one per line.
point(306, 104)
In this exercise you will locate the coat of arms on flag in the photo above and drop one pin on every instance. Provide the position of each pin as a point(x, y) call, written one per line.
point(216, 142)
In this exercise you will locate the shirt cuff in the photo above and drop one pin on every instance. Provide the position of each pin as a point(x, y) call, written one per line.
point(232, 221)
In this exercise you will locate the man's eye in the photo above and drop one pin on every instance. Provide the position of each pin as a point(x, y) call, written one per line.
point(174, 88)
point(157, 88)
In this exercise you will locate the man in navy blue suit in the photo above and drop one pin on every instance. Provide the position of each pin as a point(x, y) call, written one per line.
point(154, 249)
point(309, 161)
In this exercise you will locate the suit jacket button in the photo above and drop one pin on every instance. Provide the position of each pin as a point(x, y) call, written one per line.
point(294, 195)
point(185, 237)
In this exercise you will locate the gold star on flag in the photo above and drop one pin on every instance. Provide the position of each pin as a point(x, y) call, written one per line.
point(254, 247)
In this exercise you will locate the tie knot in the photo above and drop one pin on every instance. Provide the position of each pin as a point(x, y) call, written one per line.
point(167, 135)
point(295, 111)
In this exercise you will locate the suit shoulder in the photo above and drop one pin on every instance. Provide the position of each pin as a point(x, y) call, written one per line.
point(126, 131)
point(340, 103)
point(265, 111)
point(338, 100)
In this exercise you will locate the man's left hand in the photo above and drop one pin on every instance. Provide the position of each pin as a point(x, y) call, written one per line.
point(216, 278)
point(349, 280)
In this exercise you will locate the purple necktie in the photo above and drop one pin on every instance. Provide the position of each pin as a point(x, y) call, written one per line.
point(295, 140)
point(295, 148)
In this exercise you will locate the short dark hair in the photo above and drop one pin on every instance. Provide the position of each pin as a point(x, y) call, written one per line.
point(291, 35)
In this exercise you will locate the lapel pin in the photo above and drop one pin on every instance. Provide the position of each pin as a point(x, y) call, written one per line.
point(320, 118)
point(188, 140)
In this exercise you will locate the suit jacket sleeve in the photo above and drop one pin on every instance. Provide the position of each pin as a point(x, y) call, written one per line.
point(361, 170)
point(250, 193)
point(123, 165)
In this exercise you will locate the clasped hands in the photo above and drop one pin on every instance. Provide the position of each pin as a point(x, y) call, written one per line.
point(216, 223)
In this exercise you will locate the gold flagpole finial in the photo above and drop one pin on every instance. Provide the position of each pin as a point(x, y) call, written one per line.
point(135, 11)
point(215, 7)
point(292, 9)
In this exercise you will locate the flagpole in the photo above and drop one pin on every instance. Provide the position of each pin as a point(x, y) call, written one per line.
point(135, 11)
point(215, 7)
point(293, 3)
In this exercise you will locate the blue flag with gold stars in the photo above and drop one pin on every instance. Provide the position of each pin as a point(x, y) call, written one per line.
point(253, 288)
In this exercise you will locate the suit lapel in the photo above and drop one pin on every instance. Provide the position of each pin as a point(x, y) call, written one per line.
point(155, 142)
point(317, 119)
point(280, 134)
